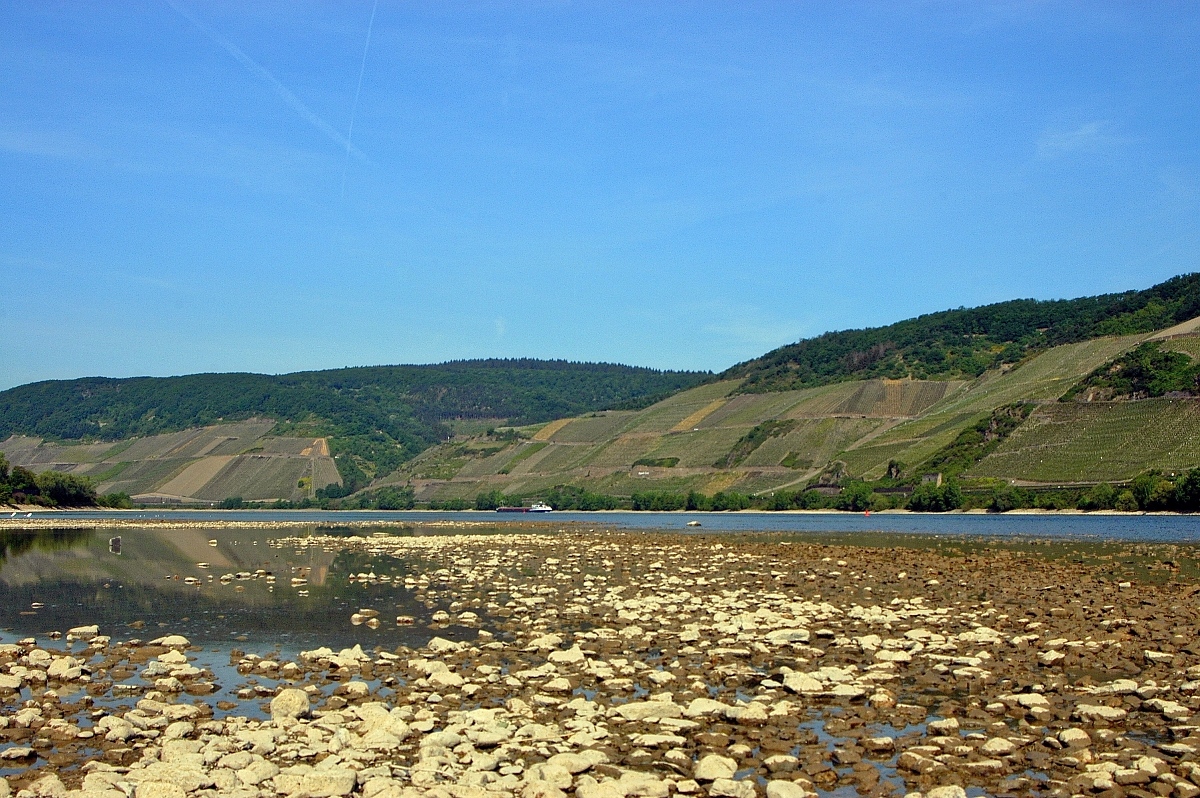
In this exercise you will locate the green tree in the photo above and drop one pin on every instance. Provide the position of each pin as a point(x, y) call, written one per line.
point(730, 500)
point(66, 490)
point(1187, 491)
point(116, 501)
point(931, 498)
point(1143, 487)
point(1126, 502)
point(1010, 498)
point(856, 496)
point(658, 501)
point(1101, 497)
point(494, 499)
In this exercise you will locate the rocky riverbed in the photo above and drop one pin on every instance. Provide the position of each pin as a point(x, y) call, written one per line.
point(648, 665)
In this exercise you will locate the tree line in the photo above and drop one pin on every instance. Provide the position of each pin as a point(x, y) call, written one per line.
point(19, 485)
point(1149, 492)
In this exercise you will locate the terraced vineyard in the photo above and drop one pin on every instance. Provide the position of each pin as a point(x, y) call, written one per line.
point(1190, 346)
point(204, 464)
point(1099, 441)
point(865, 424)
point(1042, 379)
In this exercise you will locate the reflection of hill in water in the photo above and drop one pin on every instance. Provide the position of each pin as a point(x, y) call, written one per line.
point(81, 582)
point(14, 544)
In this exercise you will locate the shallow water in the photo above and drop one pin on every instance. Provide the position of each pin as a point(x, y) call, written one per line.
point(1159, 528)
point(55, 580)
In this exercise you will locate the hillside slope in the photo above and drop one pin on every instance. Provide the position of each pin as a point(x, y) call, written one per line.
point(379, 416)
point(715, 437)
point(197, 465)
point(965, 343)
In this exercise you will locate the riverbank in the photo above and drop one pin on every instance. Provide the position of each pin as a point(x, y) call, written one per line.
point(634, 665)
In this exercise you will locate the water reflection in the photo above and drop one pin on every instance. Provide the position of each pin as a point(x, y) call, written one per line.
point(214, 586)
point(17, 542)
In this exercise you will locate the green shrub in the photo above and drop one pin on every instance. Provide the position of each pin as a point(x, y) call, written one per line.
point(1126, 502)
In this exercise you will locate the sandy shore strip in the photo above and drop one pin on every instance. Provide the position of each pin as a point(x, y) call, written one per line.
point(649, 665)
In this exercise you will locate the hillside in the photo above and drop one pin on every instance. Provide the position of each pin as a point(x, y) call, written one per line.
point(373, 418)
point(1079, 391)
point(716, 437)
point(966, 343)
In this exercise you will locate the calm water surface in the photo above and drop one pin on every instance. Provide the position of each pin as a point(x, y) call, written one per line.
point(154, 582)
point(1157, 528)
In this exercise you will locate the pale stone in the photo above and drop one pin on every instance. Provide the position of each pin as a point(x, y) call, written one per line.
point(1074, 738)
point(728, 788)
point(644, 710)
point(328, 782)
point(571, 656)
point(291, 703)
point(172, 641)
point(951, 791)
point(159, 789)
point(802, 683)
point(713, 767)
point(998, 746)
point(779, 788)
point(700, 707)
point(1099, 712)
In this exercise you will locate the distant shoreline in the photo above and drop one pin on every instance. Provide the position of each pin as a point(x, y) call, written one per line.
point(39, 510)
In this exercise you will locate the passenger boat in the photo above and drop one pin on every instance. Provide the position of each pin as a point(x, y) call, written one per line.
point(537, 507)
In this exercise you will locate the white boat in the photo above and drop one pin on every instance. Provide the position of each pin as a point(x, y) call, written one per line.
point(540, 507)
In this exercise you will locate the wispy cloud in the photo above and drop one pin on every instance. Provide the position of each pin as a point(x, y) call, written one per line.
point(1056, 142)
point(281, 91)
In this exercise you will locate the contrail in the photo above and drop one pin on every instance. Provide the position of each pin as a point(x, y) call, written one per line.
point(281, 91)
point(354, 108)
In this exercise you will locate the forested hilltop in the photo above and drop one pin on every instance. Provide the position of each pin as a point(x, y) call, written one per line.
point(964, 343)
point(383, 415)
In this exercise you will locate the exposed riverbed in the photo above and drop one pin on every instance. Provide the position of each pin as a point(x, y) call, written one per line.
point(473, 661)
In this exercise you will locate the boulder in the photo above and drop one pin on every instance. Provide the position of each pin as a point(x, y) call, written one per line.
point(713, 767)
point(291, 703)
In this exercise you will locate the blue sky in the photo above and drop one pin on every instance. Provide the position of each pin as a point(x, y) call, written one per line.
point(190, 186)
